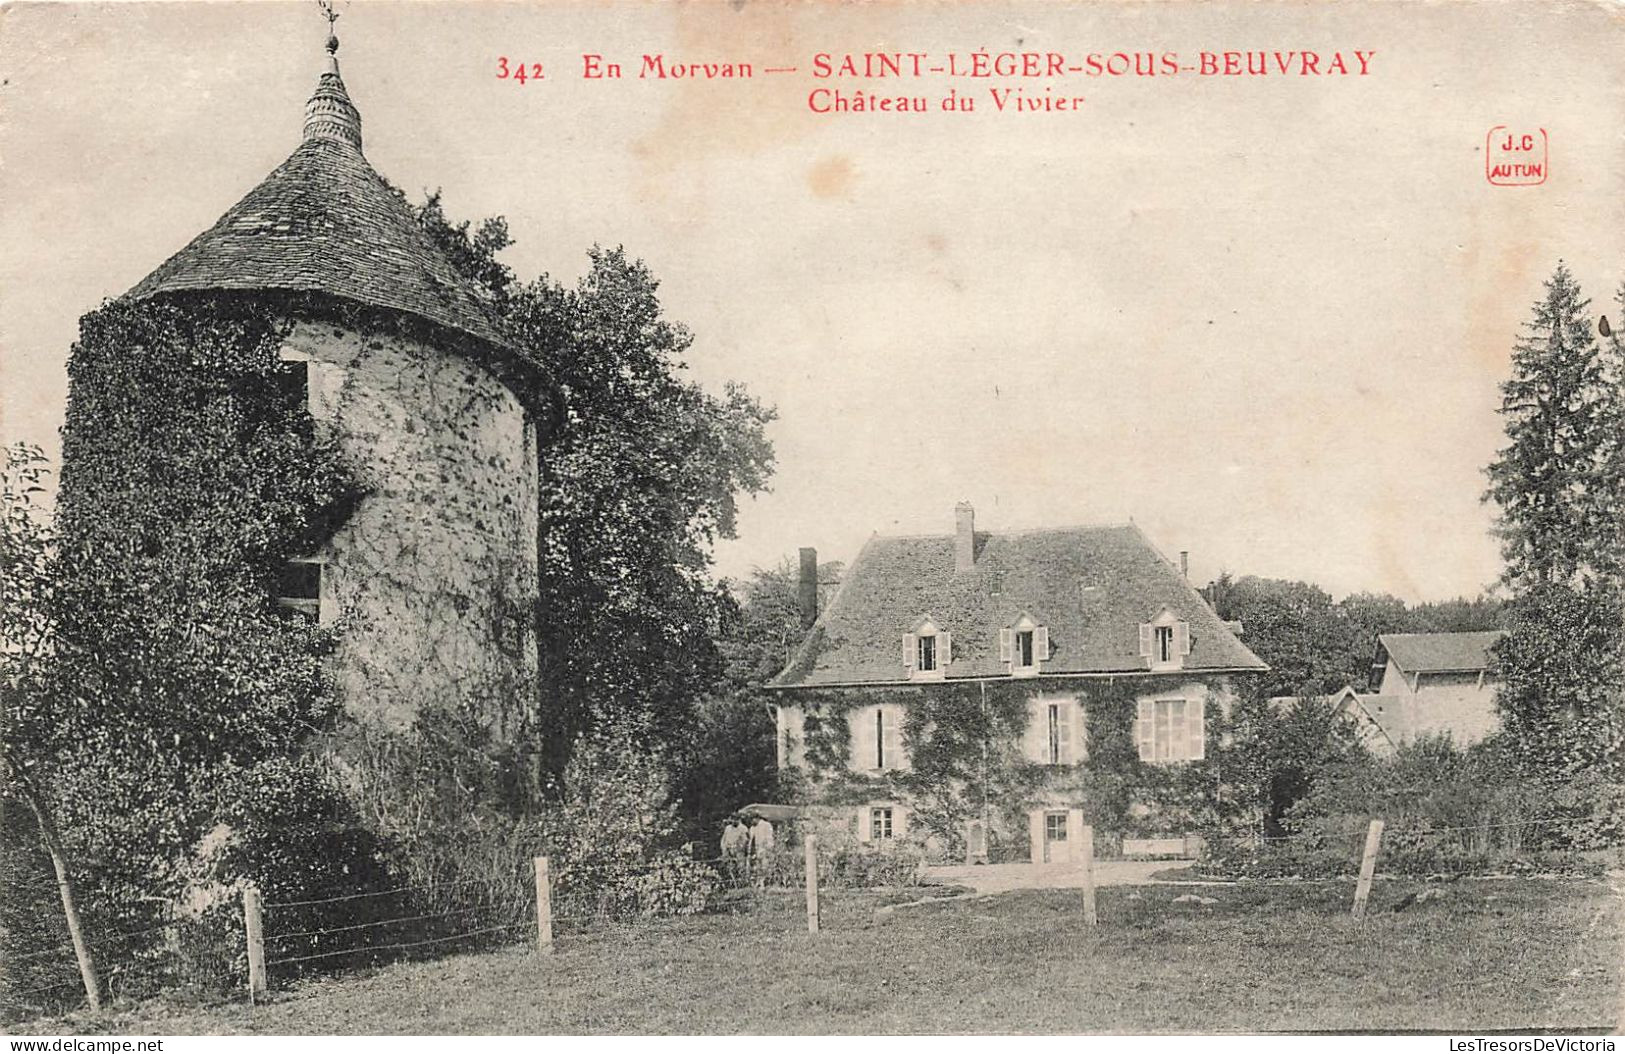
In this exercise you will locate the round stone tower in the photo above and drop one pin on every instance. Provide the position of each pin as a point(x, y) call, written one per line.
point(432, 579)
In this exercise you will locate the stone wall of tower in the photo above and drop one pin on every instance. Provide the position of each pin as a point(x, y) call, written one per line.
point(433, 579)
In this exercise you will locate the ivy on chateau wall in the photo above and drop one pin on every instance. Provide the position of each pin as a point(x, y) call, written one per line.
point(965, 748)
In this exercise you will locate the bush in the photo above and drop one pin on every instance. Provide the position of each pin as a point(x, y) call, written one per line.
point(610, 840)
point(871, 867)
point(1445, 811)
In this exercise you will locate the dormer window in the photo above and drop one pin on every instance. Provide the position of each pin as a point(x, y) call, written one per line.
point(1024, 645)
point(1165, 641)
point(927, 652)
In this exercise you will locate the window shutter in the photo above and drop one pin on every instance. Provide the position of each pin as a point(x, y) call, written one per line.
point(893, 732)
point(861, 723)
point(1004, 645)
point(1145, 639)
point(1196, 728)
point(1145, 733)
point(899, 821)
point(1178, 737)
point(1040, 644)
point(910, 650)
point(1182, 638)
point(1035, 834)
point(945, 649)
point(1035, 744)
point(863, 823)
point(1063, 733)
point(1080, 737)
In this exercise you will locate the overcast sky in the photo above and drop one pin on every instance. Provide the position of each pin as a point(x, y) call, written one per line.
point(1262, 317)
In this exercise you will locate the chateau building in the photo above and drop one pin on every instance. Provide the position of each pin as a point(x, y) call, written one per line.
point(1097, 649)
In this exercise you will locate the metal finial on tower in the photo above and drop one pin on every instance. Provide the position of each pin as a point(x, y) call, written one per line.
point(330, 114)
point(332, 33)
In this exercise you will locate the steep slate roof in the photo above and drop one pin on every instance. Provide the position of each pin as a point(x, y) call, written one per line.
point(1439, 652)
point(324, 221)
point(895, 582)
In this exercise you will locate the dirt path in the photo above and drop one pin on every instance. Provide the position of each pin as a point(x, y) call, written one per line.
point(998, 878)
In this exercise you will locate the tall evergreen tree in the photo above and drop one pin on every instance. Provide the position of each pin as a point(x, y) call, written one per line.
point(1611, 489)
point(1559, 485)
point(1552, 480)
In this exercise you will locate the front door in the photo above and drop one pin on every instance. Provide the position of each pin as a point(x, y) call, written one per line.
point(1055, 847)
point(975, 842)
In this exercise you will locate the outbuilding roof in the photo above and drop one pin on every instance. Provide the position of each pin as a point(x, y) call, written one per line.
point(324, 221)
point(1091, 587)
point(1439, 652)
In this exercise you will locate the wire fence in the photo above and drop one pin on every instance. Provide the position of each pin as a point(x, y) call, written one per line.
point(1526, 836)
point(606, 896)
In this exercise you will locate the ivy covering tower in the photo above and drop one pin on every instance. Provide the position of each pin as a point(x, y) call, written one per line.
point(298, 514)
point(433, 574)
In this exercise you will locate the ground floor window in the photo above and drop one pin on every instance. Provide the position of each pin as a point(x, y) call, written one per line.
point(1055, 826)
point(880, 823)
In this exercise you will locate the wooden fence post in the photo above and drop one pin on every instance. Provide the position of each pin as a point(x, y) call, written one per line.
point(812, 883)
point(1368, 867)
point(544, 906)
point(254, 927)
point(1086, 846)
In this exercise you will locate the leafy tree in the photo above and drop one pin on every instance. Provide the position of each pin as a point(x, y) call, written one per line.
point(1281, 749)
point(27, 550)
point(1287, 737)
point(1297, 630)
point(1460, 615)
point(729, 757)
point(763, 629)
point(612, 836)
point(1562, 666)
point(1316, 646)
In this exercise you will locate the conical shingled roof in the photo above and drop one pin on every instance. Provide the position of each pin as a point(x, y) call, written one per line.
point(324, 221)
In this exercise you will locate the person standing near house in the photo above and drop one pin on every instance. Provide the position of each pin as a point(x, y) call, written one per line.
point(761, 845)
point(735, 846)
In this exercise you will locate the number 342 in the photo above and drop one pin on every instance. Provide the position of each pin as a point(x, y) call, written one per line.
point(517, 71)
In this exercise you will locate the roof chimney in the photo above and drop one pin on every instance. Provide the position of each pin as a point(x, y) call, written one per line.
point(964, 537)
point(1184, 563)
point(807, 587)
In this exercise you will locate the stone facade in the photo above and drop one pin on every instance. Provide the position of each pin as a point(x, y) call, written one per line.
point(1055, 737)
point(433, 579)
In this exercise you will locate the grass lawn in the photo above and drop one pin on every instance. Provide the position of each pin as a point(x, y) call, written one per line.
point(1540, 955)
